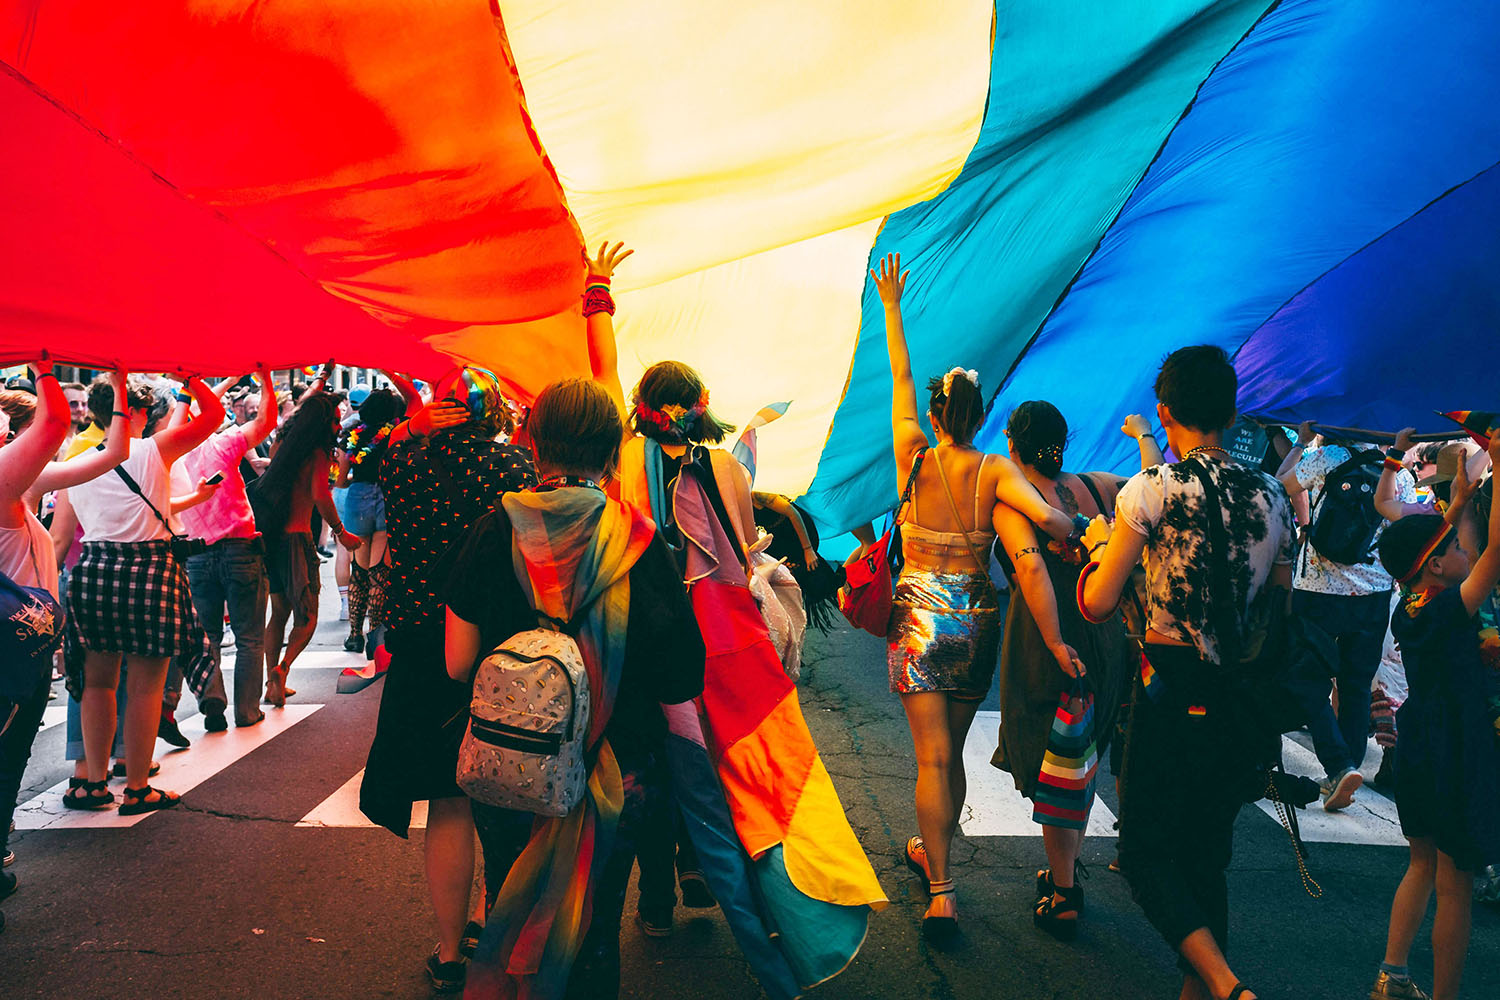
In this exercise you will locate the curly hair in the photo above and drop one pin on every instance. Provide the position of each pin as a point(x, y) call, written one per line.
point(311, 428)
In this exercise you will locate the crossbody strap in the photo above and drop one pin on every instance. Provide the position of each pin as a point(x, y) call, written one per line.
point(1226, 628)
point(907, 492)
point(979, 560)
point(136, 489)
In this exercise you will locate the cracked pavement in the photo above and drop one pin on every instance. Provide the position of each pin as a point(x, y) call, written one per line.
point(226, 897)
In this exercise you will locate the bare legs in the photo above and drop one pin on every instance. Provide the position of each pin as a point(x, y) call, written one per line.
point(144, 684)
point(1410, 904)
point(1214, 978)
point(279, 661)
point(449, 850)
point(939, 726)
point(1430, 868)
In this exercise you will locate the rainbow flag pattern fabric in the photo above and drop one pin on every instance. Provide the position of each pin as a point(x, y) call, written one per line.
point(570, 548)
point(412, 183)
point(745, 449)
point(1065, 787)
point(1479, 423)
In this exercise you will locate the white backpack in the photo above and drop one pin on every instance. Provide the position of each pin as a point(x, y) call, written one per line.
point(528, 726)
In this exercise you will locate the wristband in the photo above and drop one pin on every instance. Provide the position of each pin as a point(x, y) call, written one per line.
point(120, 413)
point(596, 298)
point(1096, 546)
point(1393, 459)
point(47, 375)
point(183, 397)
point(1082, 608)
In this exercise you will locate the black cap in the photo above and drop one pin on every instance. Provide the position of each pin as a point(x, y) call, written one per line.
point(21, 382)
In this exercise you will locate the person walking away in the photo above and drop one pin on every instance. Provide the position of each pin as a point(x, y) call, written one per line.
point(568, 552)
point(945, 626)
point(32, 429)
point(1447, 732)
point(443, 472)
point(283, 498)
point(1341, 587)
point(230, 576)
point(1044, 640)
point(1188, 767)
point(129, 594)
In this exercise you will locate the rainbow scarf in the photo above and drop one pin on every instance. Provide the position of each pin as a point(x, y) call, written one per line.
point(572, 549)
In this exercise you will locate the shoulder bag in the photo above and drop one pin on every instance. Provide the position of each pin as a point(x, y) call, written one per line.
point(865, 597)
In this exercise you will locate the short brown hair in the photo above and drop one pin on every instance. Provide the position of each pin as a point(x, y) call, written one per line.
point(102, 398)
point(20, 406)
point(574, 426)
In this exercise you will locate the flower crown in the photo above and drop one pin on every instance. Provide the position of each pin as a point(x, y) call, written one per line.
point(967, 373)
point(672, 420)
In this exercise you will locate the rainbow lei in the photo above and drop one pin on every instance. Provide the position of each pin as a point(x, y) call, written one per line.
point(358, 454)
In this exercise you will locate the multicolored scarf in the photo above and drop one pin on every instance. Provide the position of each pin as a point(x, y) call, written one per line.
point(572, 549)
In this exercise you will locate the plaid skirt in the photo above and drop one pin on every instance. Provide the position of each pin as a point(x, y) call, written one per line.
point(133, 598)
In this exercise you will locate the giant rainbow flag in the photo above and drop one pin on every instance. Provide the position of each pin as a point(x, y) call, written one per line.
point(1078, 186)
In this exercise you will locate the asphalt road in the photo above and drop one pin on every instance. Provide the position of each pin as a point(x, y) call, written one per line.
point(263, 885)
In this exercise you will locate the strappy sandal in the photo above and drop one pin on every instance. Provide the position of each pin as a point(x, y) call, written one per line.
point(468, 941)
point(119, 770)
point(913, 845)
point(91, 797)
point(1049, 916)
point(135, 801)
point(1240, 989)
point(940, 930)
point(1045, 887)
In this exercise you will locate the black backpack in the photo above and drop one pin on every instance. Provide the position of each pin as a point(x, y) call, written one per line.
point(1344, 516)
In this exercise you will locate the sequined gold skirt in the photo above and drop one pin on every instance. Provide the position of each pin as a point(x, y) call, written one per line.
point(945, 634)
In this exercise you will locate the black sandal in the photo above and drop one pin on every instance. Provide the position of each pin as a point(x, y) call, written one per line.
point(940, 930)
point(1048, 915)
point(91, 797)
point(1240, 989)
point(468, 941)
point(1045, 887)
point(916, 866)
point(135, 801)
point(119, 770)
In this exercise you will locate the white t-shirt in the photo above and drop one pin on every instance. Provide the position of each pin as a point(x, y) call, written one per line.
point(1318, 575)
point(1166, 503)
point(109, 512)
point(27, 557)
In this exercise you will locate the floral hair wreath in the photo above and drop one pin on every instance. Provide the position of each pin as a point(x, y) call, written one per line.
point(967, 373)
point(673, 420)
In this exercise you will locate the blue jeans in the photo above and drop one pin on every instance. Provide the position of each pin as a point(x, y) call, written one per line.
point(232, 575)
point(1358, 626)
point(74, 748)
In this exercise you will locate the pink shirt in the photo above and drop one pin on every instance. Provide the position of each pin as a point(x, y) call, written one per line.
point(227, 513)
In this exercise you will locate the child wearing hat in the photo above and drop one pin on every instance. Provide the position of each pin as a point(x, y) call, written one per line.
point(1448, 771)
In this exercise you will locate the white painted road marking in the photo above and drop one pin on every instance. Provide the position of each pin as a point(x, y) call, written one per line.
point(341, 809)
point(994, 808)
point(1371, 819)
point(180, 771)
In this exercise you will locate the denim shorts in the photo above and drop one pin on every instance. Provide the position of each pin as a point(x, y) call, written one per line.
point(364, 509)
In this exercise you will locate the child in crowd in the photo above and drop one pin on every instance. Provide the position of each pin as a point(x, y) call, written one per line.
point(1448, 776)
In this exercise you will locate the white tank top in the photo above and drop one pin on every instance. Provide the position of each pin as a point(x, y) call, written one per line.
point(27, 557)
point(109, 512)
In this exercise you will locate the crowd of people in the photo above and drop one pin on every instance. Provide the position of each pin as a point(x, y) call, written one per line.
point(596, 563)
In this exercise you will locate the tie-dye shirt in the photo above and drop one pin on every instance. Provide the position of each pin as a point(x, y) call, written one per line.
point(1166, 504)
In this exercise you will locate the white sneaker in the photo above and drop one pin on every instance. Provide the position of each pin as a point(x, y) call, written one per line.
point(343, 607)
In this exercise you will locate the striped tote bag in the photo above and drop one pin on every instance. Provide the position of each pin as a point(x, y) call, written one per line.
point(1065, 788)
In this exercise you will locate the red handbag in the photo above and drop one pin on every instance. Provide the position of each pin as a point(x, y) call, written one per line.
point(865, 597)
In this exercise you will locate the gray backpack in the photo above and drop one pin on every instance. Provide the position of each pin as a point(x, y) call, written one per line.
point(525, 747)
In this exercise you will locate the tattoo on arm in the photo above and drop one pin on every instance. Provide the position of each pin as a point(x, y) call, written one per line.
point(1030, 550)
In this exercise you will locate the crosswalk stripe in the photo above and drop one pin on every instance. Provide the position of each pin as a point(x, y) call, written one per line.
point(180, 772)
point(341, 809)
point(993, 807)
point(1371, 819)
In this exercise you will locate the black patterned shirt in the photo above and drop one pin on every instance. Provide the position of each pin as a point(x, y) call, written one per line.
point(1166, 504)
point(424, 520)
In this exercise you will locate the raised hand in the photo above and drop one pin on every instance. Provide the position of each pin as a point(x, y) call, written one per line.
point(1135, 426)
point(890, 282)
point(1462, 489)
point(1306, 432)
point(1404, 439)
point(439, 414)
point(603, 265)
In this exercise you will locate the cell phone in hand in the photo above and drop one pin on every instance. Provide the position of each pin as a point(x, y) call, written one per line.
point(215, 479)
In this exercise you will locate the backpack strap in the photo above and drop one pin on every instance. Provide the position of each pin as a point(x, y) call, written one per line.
point(1226, 626)
point(1355, 460)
